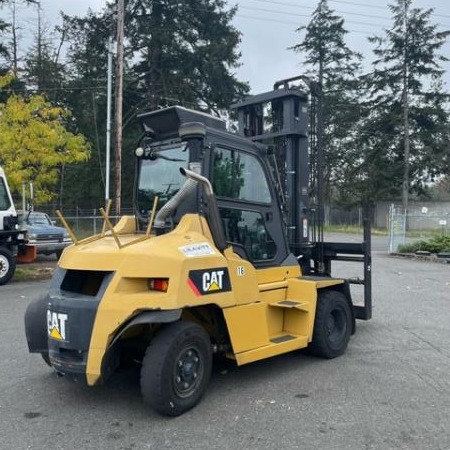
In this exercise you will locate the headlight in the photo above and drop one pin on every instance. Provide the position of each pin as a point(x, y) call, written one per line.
point(32, 236)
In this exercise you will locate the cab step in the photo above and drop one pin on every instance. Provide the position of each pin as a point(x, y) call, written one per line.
point(302, 306)
point(283, 338)
point(278, 345)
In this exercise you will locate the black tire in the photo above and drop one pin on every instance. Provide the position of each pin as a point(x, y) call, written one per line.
point(46, 359)
point(332, 325)
point(7, 265)
point(176, 368)
point(58, 254)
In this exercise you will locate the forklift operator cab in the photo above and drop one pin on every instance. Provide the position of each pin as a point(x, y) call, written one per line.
point(247, 204)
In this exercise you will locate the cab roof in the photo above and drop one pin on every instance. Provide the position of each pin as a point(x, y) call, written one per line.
point(164, 123)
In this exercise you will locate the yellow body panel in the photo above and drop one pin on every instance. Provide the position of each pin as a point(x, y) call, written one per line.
point(267, 311)
point(247, 326)
point(288, 311)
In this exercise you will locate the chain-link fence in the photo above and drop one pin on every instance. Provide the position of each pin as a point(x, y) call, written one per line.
point(84, 222)
point(423, 219)
point(418, 222)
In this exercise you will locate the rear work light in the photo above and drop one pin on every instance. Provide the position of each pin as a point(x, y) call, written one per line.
point(158, 284)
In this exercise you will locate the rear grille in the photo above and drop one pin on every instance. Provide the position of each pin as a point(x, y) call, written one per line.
point(50, 237)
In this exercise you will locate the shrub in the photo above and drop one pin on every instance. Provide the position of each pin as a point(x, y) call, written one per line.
point(433, 245)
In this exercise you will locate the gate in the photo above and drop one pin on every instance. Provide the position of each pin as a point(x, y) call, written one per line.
point(397, 227)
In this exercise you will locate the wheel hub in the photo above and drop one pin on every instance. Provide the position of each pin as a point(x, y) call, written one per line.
point(187, 371)
point(4, 266)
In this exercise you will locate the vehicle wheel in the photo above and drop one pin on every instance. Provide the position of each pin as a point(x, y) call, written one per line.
point(176, 368)
point(7, 265)
point(58, 254)
point(332, 325)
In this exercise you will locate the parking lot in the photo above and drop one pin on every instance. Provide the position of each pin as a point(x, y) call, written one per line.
point(391, 390)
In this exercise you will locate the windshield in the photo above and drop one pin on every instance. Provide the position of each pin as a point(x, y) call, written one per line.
point(39, 219)
point(4, 198)
point(161, 177)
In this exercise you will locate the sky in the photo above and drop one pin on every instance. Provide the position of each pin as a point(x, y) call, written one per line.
point(268, 30)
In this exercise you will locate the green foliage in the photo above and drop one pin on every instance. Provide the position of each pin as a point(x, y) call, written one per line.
point(184, 52)
point(434, 245)
point(5, 26)
point(365, 117)
point(175, 53)
point(35, 143)
point(334, 65)
point(406, 94)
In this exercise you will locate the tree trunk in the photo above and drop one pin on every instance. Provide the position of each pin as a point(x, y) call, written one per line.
point(155, 58)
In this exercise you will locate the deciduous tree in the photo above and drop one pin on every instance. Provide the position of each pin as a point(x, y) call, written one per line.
point(35, 142)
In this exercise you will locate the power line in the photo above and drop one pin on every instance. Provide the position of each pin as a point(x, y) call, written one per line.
point(296, 24)
point(301, 15)
point(371, 16)
point(274, 2)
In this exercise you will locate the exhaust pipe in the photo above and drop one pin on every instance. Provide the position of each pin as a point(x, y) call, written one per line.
point(214, 219)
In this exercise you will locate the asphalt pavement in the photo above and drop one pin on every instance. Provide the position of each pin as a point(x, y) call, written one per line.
point(391, 390)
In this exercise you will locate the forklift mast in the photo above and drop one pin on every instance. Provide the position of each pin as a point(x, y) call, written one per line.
point(279, 119)
point(290, 122)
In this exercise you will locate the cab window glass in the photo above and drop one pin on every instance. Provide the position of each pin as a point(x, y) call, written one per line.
point(160, 176)
point(239, 175)
point(247, 228)
point(4, 198)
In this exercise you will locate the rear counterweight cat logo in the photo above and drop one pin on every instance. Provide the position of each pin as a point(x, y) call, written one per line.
point(213, 281)
point(56, 325)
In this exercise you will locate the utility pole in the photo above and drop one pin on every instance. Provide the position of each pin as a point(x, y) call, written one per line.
point(405, 100)
point(40, 78)
point(14, 40)
point(108, 121)
point(118, 104)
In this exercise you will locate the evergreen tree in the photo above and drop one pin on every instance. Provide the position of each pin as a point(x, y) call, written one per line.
point(335, 66)
point(175, 53)
point(43, 71)
point(5, 27)
point(404, 139)
point(185, 52)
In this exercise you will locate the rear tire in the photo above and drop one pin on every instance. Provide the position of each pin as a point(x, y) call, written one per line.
point(332, 325)
point(7, 265)
point(46, 359)
point(176, 368)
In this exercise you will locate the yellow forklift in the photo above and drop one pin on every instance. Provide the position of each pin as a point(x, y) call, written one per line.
point(223, 256)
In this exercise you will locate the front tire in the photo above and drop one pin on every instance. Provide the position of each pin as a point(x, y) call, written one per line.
point(332, 326)
point(46, 359)
point(176, 368)
point(7, 265)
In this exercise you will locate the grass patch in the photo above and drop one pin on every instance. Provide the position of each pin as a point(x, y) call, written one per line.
point(32, 273)
point(352, 229)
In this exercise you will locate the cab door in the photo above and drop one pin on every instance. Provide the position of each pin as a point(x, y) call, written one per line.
point(248, 204)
